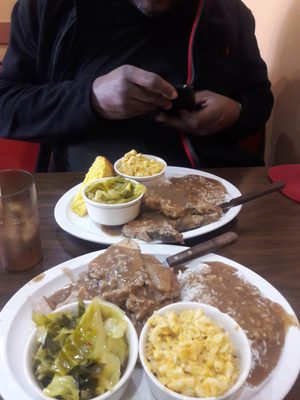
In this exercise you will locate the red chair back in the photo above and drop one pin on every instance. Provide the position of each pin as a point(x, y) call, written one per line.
point(18, 154)
point(254, 144)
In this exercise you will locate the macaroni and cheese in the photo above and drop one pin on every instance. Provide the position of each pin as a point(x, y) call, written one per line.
point(190, 354)
point(136, 164)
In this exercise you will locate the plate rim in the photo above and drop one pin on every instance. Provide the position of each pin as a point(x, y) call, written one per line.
point(155, 249)
point(65, 223)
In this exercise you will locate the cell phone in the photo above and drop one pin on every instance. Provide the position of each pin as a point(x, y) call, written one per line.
point(185, 100)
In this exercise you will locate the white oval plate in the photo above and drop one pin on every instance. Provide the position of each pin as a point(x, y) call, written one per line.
point(84, 228)
point(16, 327)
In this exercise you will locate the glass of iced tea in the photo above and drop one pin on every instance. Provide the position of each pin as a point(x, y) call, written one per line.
point(20, 243)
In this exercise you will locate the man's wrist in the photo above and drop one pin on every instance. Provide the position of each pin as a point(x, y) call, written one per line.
point(94, 104)
point(96, 108)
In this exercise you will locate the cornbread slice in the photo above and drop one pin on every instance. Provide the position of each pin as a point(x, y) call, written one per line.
point(100, 168)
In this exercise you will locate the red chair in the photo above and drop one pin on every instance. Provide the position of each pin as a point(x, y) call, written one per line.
point(18, 154)
point(13, 153)
point(254, 144)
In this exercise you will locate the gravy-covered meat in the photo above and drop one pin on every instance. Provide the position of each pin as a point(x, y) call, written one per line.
point(175, 206)
point(119, 265)
point(137, 283)
point(151, 226)
point(191, 194)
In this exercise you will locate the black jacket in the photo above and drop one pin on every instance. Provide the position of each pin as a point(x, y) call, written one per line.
point(38, 101)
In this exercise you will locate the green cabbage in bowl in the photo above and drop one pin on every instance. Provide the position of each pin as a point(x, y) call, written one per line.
point(115, 190)
point(80, 355)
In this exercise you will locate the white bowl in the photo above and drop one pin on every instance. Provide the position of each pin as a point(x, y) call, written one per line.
point(112, 214)
point(118, 390)
point(236, 334)
point(146, 178)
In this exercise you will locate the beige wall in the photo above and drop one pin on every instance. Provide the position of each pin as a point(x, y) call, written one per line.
point(5, 12)
point(2, 51)
point(278, 33)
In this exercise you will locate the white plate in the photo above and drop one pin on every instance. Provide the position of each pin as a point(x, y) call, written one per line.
point(16, 327)
point(84, 228)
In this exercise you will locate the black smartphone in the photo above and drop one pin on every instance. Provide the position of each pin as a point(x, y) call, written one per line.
point(185, 100)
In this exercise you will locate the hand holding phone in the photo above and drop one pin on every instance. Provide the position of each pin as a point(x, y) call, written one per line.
point(214, 113)
point(185, 100)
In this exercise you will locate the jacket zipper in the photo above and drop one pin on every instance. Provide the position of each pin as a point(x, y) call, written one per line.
point(191, 67)
point(54, 61)
point(186, 143)
point(190, 152)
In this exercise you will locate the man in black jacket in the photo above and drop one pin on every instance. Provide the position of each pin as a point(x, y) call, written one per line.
point(95, 77)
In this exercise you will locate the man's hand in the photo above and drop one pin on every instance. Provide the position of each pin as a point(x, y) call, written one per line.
point(216, 113)
point(129, 91)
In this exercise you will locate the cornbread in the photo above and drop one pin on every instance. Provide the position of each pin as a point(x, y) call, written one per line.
point(190, 354)
point(100, 168)
point(136, 164)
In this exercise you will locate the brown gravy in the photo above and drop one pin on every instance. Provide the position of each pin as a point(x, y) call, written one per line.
point(178, 190)
point(39, 277)
point(59, 296)
point(174, 205)
point(264, 321)
point(68, 273)
point(112, 230)
point(137, 283)
point(175, 195)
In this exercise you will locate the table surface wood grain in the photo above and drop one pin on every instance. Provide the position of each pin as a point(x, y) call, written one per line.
point(268, 229)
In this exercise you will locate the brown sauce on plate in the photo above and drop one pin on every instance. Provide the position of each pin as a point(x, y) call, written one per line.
point(112, 230)
point(137, 283)
point(171, 193)
point(264, 321)
point(180, 189)
point(39, 277)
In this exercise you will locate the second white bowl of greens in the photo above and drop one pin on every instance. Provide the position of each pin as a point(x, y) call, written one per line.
point(113, 201)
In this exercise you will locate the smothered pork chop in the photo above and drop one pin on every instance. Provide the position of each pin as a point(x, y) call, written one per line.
point(136, 282)
point(140, 284)
point(177, 205)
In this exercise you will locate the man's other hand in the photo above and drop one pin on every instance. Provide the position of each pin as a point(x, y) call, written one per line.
point(129, 91)
point(216, 113)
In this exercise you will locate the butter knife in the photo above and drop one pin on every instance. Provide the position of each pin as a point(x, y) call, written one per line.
point(252, 195)
point(201, 249)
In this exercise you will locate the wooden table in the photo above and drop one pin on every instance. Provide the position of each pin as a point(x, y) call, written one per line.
point(269, 230)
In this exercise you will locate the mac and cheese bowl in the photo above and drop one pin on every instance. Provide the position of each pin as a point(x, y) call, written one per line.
point(113, 201)
point(143, 168)
point(98, 357)
point(192, 351)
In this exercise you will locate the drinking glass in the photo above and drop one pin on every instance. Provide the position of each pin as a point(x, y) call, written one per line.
point(20, 243)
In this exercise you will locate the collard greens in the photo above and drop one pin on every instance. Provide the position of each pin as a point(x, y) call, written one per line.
point(80, 356)
point(115, 190)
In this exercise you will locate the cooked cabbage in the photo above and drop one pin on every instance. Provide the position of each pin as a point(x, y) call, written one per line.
point(80, 356)
point(64, 387)
point(115, 190)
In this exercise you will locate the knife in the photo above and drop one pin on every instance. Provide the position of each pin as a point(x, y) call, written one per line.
point(201, 249)
point(252, 195)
